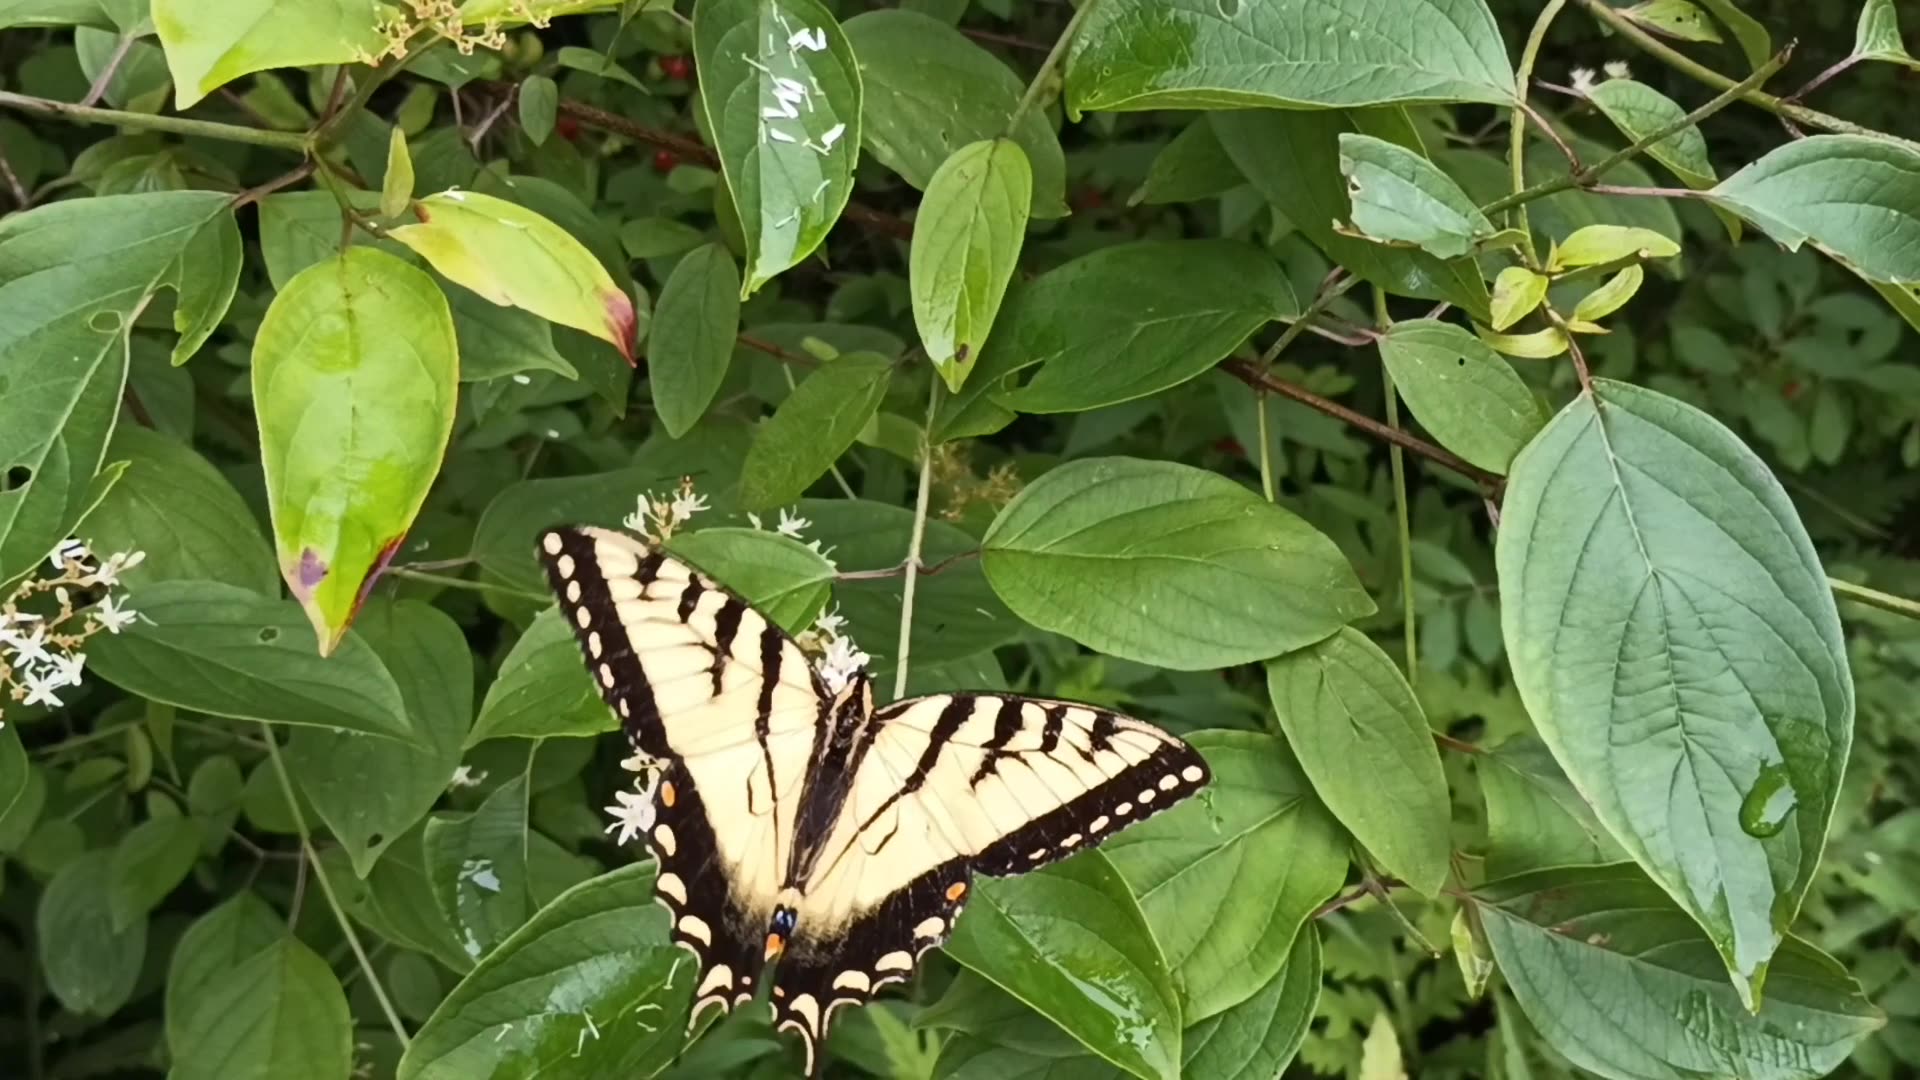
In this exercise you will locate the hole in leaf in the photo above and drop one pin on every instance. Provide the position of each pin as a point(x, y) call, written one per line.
point(1229, 8)
point(16, 478)
point(269, 635)
point(1463, 361)
point(374, 839)
point(106, 322)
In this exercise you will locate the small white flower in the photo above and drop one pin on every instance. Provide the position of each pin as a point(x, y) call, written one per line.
point(40, 688)
point(113, 618)
point(685, 506)
point(632, 815)
point(1618, 69)
point(826, 553)
point(465, 777)
point(68, 549)
point(1582, 80)
point(791, 524)
point(753, 519)
point(28, 648)
point(640, 762)
point(109, 572)
point(67, 668)
point(830, 622)
point(9, 620)
point(842, 660)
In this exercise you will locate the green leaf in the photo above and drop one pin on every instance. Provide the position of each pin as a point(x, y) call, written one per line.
point(657, 238)
point(148, 863)
point(16, 778)
point(1258, 1038)
point(1674, 639)
point(1516, 293)
point(1851, 196)
point(1134, 319)
point(539, 106)
point(543, 690)
point(781, 91)
point(966, 242)
point(280, 1014)
point(1224, 912)
point(593, 63)
point(217, 942)
point(369, 791)
point(931, 90)
point(1593, 245)
point(1610, 932)
point(956, 614)
point(590, 986)
point(1755, 43)
point(1168, 565)
point(1611, 296)
point(90, 966)
point(209, 46)
point(489, 871)
point(353, 422)
point(396, 187)
point(516, 257)
point(782, 578)
point(1461, 391)
point(399, 904)
point(73, 274)
point(1400, 195)
point(1639, 110)
point(176, 507)
point(995, 1036)
point(691, 340)
point(1341, 701)
point(1877, 35)
point(1099, 974)
point(496, 341)
point(1678, 19)
point(1206, 54)
point(812, 428)
point(1193, 166)
point(301, 228)
point(1293, 159)
point(1535, 819)
point(221, 650)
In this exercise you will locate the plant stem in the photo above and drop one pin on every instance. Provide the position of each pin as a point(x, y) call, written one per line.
point(1333, 288)
point(1517, 129)
point(1396, 458)
point(463, 583)
point(326, 886)
point(1699, 72)
point(1054, 56)
point(1266, 448)
point(1638, 146)
point(920, 501)
point(1248, 372)
point(102, 80)
point(178, 125)
point(1899, 605)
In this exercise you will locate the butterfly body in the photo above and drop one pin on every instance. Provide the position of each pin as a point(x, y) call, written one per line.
point(799, 826)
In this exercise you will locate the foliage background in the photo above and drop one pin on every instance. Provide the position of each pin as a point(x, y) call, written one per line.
point(168, 875)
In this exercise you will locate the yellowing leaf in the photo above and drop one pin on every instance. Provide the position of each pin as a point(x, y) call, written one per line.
point(397, 188)
point(211, 44)
point(1674, 18)
point(518, 258)
point(1597, 244)
point(1539, 345)
point(1516, 292)
point(1608, 298)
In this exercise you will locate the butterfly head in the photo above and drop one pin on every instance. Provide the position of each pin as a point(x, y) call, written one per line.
point(780, 930)
point(855, 699)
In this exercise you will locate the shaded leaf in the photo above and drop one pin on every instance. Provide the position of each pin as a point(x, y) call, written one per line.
point(812, 428)
point(691, 339)
point(89, 965)
point(1461, 391)
point(175, 506)
point(280, 1014)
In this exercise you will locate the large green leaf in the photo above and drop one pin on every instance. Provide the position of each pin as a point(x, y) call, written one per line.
point(1168, 565)
point(90, 966)
point(209, 45)
point(817, 423)
point(1257, 1039)
point(175, 506)
point(1070, 941)
point(931, 90)
point(993, 1035)
point(222, 650)
point(73, 276)
point(1535, 818)
point(477, 864)
point(1224, 910)
point(691, 340)
point(1132, 320)
point(543, 690)
point(1217, 54)
point(1639, 110)
point(1342, 701)
point(148, 862)
point(353, 420)
point(369, 791)
point(217, 942)
point(1854, 197)
point(1293, 158)
point(781, 90)
point(1620, 981)
point(1400, 195)
point(783, 579)
point(1673, 636)
point(591, 985)
point(1877, 35)
point(279, 1014)
point(966, 243)
point(1461, 391)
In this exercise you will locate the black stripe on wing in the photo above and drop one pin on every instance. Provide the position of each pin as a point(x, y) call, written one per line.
point(573, 572)
point(1171, 773)
point(692, 886)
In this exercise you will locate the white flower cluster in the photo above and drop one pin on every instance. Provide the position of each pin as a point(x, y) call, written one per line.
point(633, 812)
point(41, 654)
point(657, 517)
point(790, 526)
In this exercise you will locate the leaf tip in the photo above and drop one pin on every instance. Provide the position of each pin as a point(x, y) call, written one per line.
point(623, 324)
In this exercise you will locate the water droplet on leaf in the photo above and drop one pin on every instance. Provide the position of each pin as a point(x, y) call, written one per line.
point(1768, 802)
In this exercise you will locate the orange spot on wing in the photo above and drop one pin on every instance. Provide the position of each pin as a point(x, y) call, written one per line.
point(666, 794)
point(955, 891)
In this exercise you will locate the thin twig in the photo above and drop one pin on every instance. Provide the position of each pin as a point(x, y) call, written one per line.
point(1820, 80)
point(135, 121)
point(107, 73)
point(1553, 134)
point(291, 176)
point(1587, 176)
point(1248, 372)
point(19, 190)
point(326, 886)
point(926, 570)
point(1396, 460)
point(1517, 134)
point(775, 351)
point(920, 501)
point(1574, 350)
point(1005, 39)
point(1054, 56)
point(1899, 605)
point(493, 116)
point(1332, 287)
point(1460, 746)
point(1643, 192)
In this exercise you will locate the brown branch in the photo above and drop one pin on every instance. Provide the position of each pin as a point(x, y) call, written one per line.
point(1250, 373)
point(12, 179)
point(896, 571)
point(775, 351)
point(255, 194)
point(1006, 39)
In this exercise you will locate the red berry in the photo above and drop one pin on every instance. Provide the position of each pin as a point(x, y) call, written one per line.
point(1089, 198)
point(567, 128)
point(1791, 390)
point(664, 161)
point(1230, 446)
point(676, 67)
